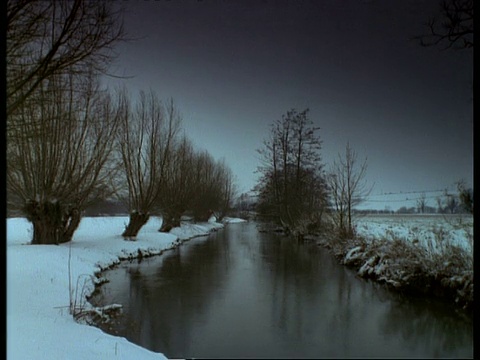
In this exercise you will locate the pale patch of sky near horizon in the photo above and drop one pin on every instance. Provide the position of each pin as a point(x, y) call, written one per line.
point(233, 67)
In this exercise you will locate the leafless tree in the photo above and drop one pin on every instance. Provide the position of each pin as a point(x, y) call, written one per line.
point(291, 188)
point(177, 191)
point(227, 190)
point(440, 207)
point(451, 203)
point(348, 188)
point(195, 182)
point(146, 142)
point(207, 186)
point(422, 203)
point(448, 203)
point(59, 124)
point(46, 38)
point(465, 195)
point(53, 176)
point(453, 27)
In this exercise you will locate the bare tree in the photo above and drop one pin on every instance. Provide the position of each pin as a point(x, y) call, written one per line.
point(195, 182)
point(146, 142)
point(291, 187)
point(422, 203)
point(177, 191)
point(453, 27)
point(227, 190)
point(348, 188)
point(53, 176)
point(207, 187)
point(440, 207)
point(451, 203)
point(268, 187)
point(448, 203)
point(46, 38)
point(465, 195)
point(59, 125)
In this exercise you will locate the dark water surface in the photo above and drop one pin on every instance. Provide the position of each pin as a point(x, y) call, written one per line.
point(241, 293)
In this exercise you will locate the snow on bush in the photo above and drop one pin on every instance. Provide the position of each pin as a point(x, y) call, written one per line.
point(421, 254)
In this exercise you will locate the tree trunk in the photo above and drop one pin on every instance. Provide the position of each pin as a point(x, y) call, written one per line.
point(137, 220)
point(169, 222)
point(71, 224)
point(46, 218)
point(203, 216)
point(340, 224)
point(44, 232)
point(349, 229)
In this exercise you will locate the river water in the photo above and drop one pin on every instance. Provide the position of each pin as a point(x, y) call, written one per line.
point(240, 293)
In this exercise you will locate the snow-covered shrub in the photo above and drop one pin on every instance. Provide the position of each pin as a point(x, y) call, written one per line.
point(413, 268)
point(425, 255)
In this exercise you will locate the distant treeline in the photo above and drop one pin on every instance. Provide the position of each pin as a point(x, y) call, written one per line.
point(447, 204)
point(413, 210)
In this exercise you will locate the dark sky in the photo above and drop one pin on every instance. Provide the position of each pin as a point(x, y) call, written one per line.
point(233, 67)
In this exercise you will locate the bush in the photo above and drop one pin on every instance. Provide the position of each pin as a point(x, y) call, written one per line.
point(408, 267)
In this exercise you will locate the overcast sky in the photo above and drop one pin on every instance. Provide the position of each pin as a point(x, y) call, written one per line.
point(233, 67)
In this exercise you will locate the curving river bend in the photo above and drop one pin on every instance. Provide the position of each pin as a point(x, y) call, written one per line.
point(242, 293)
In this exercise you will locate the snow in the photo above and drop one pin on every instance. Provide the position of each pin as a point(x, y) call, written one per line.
point(352, 254)
point(229, 220)
point(39, 324)
point(428, 231)
point(415, 251)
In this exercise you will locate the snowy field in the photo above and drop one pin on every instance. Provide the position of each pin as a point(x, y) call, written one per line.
point(433, 232)
point(39, 324)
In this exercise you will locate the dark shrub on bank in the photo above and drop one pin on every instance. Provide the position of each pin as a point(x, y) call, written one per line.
point(409, 268)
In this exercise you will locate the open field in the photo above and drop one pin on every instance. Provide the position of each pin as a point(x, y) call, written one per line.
point(431, 231)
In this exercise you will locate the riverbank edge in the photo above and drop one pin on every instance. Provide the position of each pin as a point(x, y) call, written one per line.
point(357, 255)
point(101, 321)
point(141, 253)
point(96, 264)
point(371, 261)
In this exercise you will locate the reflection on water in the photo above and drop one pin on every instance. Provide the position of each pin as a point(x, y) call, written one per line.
point(241, 293)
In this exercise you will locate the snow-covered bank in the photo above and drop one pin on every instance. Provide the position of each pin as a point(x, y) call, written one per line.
point(39, 324)
point(431, 255)
point(229, 220)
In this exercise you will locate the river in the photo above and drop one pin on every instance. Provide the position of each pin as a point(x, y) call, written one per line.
point(247, 294)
